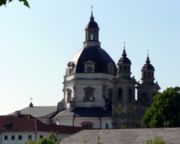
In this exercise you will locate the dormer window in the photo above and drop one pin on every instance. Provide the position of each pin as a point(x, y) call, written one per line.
point(89, 66)
point(110, 68)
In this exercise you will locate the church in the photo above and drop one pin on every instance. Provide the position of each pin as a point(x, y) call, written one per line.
point(98, 93)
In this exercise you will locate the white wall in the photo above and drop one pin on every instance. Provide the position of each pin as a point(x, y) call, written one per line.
point(78, 82)
point(79, 120)
point(24, 137)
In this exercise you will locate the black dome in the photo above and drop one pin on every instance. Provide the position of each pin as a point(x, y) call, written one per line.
point(92, 24)
point(148, 65)
point(95, 54)
point(124, 59)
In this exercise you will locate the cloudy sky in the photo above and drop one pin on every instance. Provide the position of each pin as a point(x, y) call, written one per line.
point(36, 44)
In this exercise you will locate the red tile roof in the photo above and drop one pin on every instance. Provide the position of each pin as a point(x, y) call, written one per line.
point(27, 123)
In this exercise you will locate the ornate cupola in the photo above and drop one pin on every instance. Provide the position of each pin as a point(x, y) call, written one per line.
point(147, 72)
point(124, 66)
point(92, 33)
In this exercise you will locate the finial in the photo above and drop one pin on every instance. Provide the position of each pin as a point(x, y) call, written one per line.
point(124, 50)
point(31, 99)
point(124, 45)
point(92, 17)
point(147, 53)
point(31, 104)
point(91, 10)
point(148, 60)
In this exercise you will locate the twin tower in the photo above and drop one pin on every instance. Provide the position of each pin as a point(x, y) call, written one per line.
point(98, 88)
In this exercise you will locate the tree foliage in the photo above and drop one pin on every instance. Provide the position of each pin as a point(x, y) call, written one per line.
point(156, 140)
point(4, 2)
point(51, 139)
point(165, 109)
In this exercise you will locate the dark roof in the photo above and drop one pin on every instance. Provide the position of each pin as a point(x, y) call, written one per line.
point(85, 112)
point(38, 111)
point(27, 123)
point(148, 65)
point(92, 23)
point(124, 59)
point(92, 112)
point(124, 136)
point(95, 54)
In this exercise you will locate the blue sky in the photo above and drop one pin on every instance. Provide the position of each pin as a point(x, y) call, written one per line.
point(37, 43)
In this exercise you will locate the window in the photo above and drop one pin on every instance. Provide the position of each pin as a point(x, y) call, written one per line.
point(110, 68)
point(107, 126)
point(144, 99)
point(5, 137)
point(87, 125)
point(119, 94)
point(89, 69)
point(13, 137)
point(110, 94)
point(19, 137)
point(89, 66)
point(121, 68)
point(130, 94)
point(89, 94)
point(29, 137)
point(91, 36)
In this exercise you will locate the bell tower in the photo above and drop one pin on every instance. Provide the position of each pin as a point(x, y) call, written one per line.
point(124, 94)
point(147, 88)
point(92, 33)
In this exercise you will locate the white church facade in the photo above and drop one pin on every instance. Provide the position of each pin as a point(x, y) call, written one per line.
point(97, 92)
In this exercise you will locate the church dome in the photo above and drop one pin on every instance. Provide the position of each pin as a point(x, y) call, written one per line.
point(92, 23)
point(148, 65)
point(124, 59)
point(102, 62)
point(92, 58)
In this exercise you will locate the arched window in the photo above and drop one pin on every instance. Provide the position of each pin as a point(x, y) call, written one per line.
point(91, 36)
point(89, 94)
point(144, 99)
point(130, 95)
point(87, 125)
point(119, 94)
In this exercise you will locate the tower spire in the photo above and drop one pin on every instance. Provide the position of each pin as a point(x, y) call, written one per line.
point(124, 45)
point(147, 52)
point(124, 50)
point(92, 17)
point(92, 32)
point(147, 59)
point(91, 10)
point(31, 104)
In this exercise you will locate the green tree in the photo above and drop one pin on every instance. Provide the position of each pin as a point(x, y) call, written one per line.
point(156, 140)
point(51, 139)
point(165, 109)
point(4, 2)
